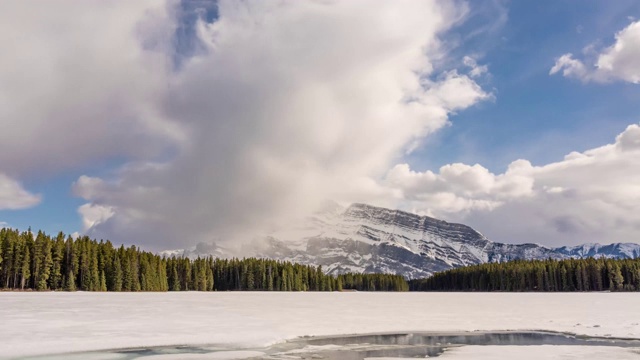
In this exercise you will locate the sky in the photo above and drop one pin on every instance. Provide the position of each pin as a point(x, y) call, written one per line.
point(167, 123)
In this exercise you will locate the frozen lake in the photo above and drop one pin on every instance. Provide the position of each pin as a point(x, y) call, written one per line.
point(245, 325)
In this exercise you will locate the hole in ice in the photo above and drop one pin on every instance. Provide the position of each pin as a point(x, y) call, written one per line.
point(359, 347)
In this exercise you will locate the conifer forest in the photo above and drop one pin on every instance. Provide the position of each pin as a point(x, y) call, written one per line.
point(538, 275)
point(41, 262)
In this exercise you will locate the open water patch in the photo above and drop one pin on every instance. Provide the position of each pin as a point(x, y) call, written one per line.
point(358, 347)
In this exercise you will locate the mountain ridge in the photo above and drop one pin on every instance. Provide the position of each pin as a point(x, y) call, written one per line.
point(366, 238)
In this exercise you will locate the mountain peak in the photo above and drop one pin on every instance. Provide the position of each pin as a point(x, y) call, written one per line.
point(366, 238)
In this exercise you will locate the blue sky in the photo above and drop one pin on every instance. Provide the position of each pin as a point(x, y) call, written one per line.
point(536, 116)
point(520, 111)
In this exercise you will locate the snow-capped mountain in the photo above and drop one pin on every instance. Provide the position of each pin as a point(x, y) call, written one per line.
point(364, 238)
point(612, 251)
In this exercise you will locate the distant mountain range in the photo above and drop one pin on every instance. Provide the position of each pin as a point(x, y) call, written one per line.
point(364, 238)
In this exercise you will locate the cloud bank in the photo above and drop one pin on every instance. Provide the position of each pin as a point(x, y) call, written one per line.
point(591, 196)
point(80, 83)
point(14, 197)
point(277, 107)
point(288, 104)
point(618, 62)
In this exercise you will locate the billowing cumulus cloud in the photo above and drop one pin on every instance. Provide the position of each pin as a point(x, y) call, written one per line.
point(277, 107)
point(13, 196)
point(592, 196)
point(617, 62)
point(80, 83)
point(282, 106)
point(287, 105)
point(459, 188)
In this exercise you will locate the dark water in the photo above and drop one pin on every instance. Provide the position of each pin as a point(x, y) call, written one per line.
point(358, 347)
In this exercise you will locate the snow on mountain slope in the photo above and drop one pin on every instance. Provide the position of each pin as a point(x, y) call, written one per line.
point(364, 238)
point(613, 251)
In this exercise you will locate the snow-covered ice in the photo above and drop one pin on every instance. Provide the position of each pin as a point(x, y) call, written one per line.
point(223, 355)
point(547, 352)
point(48, 323)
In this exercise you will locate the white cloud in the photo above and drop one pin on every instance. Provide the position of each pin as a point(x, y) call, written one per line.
point(593, 196)
point(570, 67)
point(455, 92)
point(476, 70)
point(80, 81)
point(286, 105)
point(289, 104)
point(13, 196)
point(617, 62)
point(93, 215)
point(460, 188)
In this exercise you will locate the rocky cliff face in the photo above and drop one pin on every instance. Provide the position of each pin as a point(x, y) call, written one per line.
point(364, 238)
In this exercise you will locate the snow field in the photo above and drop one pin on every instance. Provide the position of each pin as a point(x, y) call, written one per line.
point(49, 323)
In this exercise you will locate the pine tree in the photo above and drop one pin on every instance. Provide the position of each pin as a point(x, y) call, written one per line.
point(616, 277)
point(25, 272)
point(70, 283)
point(127, 276)
point(44, 262)
point(94, 277)
point(134, 263)
point(70, 268)
point(176, 279)
point(270, 279)
point(250, 278)
point(210, 282)
point(564, 278)
point(84, 264)
point(116, 275)
point(57, 259)
point(103, 282)
point(8, 246)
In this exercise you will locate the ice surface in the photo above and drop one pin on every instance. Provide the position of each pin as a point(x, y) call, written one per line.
point(101, 356)
point(546, 352)
point(47, 323)
point(222, 355)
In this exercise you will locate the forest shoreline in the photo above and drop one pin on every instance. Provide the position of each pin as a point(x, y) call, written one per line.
point(39, 262)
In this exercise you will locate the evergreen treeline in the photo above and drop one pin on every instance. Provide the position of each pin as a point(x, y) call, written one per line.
point(42, 262)
point(373, 282)
point(246, 274)
point(538, 275)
